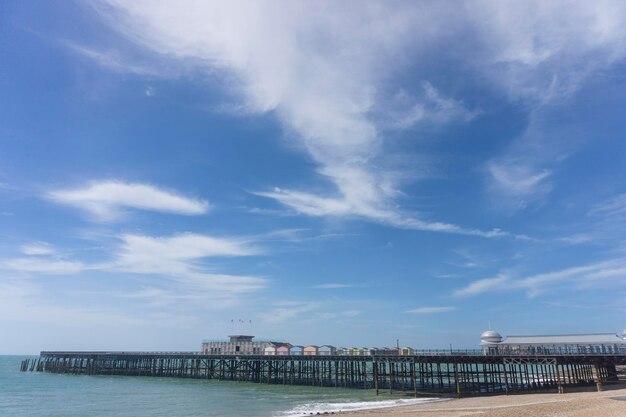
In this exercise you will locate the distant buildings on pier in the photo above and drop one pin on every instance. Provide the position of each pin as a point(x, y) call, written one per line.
point(594, 343)
point(239, 345)
point(492, 343)
point(245, 345)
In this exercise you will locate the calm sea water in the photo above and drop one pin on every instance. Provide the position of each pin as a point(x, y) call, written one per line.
point(36, 394)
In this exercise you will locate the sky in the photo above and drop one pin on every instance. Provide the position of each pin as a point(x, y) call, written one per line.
point(355, 173)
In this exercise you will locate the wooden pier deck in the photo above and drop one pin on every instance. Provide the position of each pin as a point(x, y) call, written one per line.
point(453, 374)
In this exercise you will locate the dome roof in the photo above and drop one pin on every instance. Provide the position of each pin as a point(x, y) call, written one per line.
point(490, 337)
point(490, 334)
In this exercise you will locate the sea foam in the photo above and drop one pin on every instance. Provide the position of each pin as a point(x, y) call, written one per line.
point(328, 408)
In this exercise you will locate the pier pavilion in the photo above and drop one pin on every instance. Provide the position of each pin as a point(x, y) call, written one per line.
point(593, 343)
point(240, 345)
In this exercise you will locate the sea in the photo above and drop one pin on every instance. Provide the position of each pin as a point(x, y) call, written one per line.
point(36, 394)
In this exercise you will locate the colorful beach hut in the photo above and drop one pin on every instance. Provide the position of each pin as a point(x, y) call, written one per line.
point(283, 350)
point(327, 350)
point(311, 350)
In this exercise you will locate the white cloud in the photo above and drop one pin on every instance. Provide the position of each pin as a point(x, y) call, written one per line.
point(314, 205)
point(107, 200)
point(544, 51)
point(318, 68)
point(152, 254)
point(432, 108)
point(575, 277)
point(482, 285)
point(180, 257)
point(183, 259)
point(447, 276)
point(612, 208)
point(605, 224)
point(523, 175)
point(43, 266)
point(431, 310)
point(38, 248)
point(518, 181)
point(324, 69)
point(331, 286)
point(577, 238)
point(112, 60)
point(288, 310)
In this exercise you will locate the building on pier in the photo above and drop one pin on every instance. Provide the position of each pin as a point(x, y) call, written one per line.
point(327, 350)
point(594, 343)
point(407, 351)
point(297, 350)
point(280, 349)
point(283, 350)
point(311, 350)
point(240, 345)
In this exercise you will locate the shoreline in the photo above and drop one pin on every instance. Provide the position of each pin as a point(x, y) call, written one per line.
point(575, 403)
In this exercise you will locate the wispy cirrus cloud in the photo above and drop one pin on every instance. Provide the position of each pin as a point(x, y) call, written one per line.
point(431, 310)
point(318, 310)
point(481, 286)
point(579, 277)
point(611, 208)
point(181, 257)
point(327, 72)
point(109, 200)
point(339, 314)
point(604, 223)
point(541, 54)
point(152, 254)
point(356, 205)
point(38, 248)
point(331, 286)
point(286, 310)
point(46, 266)
point(318, 69)
point(517, 181)
point(545, 51)
point(184, 259)
point(433, 108)
point(112, 59)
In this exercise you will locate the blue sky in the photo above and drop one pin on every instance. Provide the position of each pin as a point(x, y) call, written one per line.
point(345, 173)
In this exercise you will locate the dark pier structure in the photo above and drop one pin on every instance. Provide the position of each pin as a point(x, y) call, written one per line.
point(451, 373)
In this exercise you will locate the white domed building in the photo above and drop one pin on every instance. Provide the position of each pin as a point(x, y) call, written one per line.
point(493, 343)
point(489, 341)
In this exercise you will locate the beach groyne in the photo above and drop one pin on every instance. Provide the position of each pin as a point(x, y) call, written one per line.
point(455, 374)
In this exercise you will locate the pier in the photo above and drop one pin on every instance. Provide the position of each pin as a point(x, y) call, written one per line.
point(448, 373)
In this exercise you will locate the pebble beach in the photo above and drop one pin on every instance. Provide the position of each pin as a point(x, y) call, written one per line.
point(608, 403)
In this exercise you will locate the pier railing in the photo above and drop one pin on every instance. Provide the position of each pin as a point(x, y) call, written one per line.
point(531, 352)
